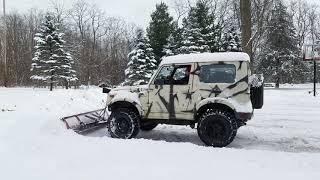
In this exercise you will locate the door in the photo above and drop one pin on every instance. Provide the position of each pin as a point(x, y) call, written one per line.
point(167, 93)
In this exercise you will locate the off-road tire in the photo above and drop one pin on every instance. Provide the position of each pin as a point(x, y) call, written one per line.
point(123, 123)
point(148, 126)
point(217, 128)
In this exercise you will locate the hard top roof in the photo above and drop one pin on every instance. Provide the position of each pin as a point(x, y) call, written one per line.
point(206, 57)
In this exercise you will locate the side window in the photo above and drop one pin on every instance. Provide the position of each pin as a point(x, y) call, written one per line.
point(177, 75)
point(164, 75)
point(181, 75)
point(218, 73)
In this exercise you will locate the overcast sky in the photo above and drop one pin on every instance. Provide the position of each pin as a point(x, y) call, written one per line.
point(136, 11)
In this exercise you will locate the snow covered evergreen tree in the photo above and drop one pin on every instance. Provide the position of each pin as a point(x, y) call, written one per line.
point(142, 62)
point(280, 60)
point(231, 40)
point(174, 41)
point(215, 37)
point(200, 33)
point(159, 30)
point(51, 63)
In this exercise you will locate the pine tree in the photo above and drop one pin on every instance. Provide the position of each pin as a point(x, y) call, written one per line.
point(142, 63)
point(280, 57)
point(159, 30)
point(231, 40)
point(50, 62)
point(174, 41)
point(200, 33)
point(215, 37)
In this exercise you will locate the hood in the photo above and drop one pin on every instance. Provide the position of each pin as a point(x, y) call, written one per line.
point(131, 89)
point(127, 93)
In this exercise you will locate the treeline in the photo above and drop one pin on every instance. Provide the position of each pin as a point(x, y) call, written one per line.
point(279, 31)
point(100, 44)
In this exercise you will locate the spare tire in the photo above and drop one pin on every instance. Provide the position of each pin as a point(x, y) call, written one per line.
point(257, 97)
point(256, 82)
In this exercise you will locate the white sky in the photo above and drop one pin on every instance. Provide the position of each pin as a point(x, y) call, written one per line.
point(136, 11)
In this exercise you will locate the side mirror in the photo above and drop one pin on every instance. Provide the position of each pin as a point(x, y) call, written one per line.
point(105, 84)
point(102, 85)
point(106, 90)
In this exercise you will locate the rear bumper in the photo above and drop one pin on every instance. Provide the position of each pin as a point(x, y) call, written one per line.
point(244, 116)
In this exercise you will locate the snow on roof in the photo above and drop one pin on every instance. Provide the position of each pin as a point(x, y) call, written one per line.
point(206, 57)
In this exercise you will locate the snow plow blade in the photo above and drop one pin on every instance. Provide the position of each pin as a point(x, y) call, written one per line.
point(87, 122)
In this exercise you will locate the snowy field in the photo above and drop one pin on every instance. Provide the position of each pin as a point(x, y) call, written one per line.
point(281, 142)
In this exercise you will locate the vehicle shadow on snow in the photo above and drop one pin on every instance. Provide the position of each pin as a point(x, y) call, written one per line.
point(175, 136)
point(243, 140)
point(162, 133)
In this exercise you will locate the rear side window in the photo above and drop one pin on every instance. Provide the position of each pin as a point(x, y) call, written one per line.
point(218, 73)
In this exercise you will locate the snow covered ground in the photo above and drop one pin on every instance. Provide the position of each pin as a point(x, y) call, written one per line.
point(281, 142)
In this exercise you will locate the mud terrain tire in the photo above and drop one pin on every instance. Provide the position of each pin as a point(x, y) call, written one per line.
point(123, 124)
point(217, 128)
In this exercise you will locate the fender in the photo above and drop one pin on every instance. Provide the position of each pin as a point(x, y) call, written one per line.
point(216, 100)
point(241, 111)
point(234, 105)
point(128, 97)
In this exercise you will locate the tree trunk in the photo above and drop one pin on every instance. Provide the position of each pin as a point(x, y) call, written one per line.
point(278, 74)
point(51, 82)
point(278, 82)
point(51, 85)
point(246, 31)
point(67, 84)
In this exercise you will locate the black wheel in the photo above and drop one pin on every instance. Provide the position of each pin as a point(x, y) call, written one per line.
point(217, 128)
point(148, 126)
point(123, 124)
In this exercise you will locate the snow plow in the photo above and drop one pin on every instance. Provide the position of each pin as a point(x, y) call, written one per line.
point(86, 122)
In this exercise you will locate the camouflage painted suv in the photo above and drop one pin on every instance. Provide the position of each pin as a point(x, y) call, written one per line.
point(209, 91)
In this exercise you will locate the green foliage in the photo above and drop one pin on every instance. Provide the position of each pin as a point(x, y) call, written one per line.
point(232, 40)
point(142, 63)
point(159, 30)
point(51, 62)
point(200, 32)
point(280, 60)
point(174, 41)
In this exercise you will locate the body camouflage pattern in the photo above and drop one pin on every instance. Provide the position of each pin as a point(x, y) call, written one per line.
point(182, 101)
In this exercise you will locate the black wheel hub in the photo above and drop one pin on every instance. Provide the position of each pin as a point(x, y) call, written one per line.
point(122, 127)
point(216, 131)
